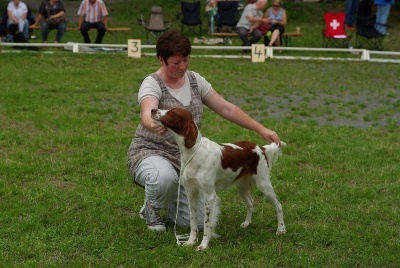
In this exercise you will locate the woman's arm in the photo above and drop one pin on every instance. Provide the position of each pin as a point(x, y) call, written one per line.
point(284, 21)
point(11, 17)
point(234, 114)
point(59, 14)
point(145, 115)
point(24, 16)
point(38, 20)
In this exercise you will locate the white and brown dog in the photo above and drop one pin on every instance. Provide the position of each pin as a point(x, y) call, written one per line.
point(208, 167)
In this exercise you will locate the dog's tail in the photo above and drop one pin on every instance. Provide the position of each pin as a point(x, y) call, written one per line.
point(217, 213)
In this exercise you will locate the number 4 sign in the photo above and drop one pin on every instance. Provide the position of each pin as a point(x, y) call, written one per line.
point(134, 48)
point(257, 53)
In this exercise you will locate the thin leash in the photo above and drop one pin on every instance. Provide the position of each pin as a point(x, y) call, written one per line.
point(180, 239)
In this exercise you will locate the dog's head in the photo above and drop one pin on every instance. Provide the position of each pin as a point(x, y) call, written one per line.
point(179, 121)
point(273, 152)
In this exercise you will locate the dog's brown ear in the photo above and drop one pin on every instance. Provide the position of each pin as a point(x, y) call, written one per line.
point(190, 133)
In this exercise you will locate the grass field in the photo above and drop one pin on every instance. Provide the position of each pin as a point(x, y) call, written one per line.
point(66, 198)
point(66, 121)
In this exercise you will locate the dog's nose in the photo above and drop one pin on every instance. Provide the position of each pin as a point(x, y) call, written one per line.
point(153, 111)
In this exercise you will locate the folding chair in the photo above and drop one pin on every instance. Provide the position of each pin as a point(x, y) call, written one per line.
point(190, 16)
point(334, 34)
point(227, 15)
point(156, 25)
point(367, 36)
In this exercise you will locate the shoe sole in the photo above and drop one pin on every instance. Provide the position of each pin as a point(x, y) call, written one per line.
point(157, 228)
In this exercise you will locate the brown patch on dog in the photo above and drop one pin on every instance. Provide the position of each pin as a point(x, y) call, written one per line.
point(180, 121)
point(265, 155)
point(244, 158)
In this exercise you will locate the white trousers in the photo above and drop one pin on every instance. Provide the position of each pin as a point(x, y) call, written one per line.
point(160, 180)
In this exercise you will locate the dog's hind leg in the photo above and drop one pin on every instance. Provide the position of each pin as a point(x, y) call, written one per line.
point(267, 189)
point(244, 191)
point(210, 206)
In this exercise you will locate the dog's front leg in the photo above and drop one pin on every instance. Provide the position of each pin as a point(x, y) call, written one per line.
point(209, 220)
point(269, 192)
point(193, 199)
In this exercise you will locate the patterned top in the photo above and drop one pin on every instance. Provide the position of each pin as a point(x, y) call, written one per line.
point(92, 12)
point(278, 17)
point(46, 9)
point(147, 143)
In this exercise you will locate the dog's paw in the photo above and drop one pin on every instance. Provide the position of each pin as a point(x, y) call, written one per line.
point(201, 247)
point(189, 243)
point(281, 230)
point(245, 224)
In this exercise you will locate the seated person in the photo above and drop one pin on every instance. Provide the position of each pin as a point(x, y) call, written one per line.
point(249, 22)
point(93, 14)
point(52, 12)
point(17, 12)
point(276, 16)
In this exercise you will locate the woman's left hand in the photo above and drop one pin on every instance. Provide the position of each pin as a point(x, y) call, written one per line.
point(271, 136)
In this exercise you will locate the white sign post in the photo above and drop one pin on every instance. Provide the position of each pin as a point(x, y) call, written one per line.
point(134, 48)
point(257, 53)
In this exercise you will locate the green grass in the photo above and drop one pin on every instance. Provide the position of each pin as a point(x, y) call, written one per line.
point(67, 200)
point(66, 121)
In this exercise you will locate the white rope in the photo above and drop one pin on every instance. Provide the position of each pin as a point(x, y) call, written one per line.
point(180, 239)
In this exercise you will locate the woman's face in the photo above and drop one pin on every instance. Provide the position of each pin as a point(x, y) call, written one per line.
point(175, 66)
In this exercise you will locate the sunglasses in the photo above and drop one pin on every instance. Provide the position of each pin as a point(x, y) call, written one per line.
point(276, 5)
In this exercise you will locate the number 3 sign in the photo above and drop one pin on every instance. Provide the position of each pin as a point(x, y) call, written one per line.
point(257, 53)
point(134, 48)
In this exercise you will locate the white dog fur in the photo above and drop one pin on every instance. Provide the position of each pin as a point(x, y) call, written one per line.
point(208, 167)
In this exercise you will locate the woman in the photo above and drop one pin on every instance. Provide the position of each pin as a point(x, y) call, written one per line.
point(53, 14)
point(17, 12)
point(153, 156)
point(276, 16)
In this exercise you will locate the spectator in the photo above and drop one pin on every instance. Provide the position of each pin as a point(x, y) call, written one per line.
point(17, 12)
point(53, 14)
point(93, 14)
point(276, 15)
point(351, 9)
point(249, 22)
point(382, 15)
point(153, 156)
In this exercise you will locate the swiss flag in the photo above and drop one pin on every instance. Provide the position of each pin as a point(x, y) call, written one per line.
point(334, 25)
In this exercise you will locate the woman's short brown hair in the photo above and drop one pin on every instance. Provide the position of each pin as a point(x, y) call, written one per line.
point(173, 43)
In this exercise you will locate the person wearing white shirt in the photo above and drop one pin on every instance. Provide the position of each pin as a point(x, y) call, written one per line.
point(17, 12)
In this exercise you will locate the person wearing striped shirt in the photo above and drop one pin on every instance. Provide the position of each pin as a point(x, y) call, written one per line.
point(93, 14)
